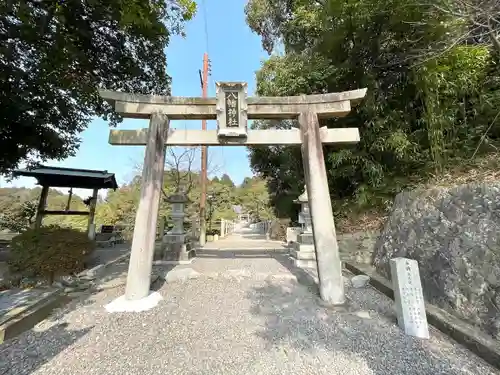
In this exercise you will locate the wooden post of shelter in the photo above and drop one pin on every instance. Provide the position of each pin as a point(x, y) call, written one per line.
point(231, 108)
point(92, 207)
point(70, 195)
point(42, 203)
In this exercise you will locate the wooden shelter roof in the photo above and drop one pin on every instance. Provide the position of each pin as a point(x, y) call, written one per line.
point(70, 177)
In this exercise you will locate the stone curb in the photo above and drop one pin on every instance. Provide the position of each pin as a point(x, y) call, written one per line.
point(236, 248)
point(101, 267)
point(27, 317)
point(92, 272)
point(480, 344)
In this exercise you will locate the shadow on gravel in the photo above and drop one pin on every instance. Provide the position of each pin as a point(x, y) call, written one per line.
point(33, 349)
point(294, 321)
point(86, 297)
point(281, 256)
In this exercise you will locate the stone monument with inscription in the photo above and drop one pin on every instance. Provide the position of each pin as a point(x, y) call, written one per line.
point(303, 253)
point(408, 297)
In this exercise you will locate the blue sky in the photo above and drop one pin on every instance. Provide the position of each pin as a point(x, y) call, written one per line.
point(235, 54)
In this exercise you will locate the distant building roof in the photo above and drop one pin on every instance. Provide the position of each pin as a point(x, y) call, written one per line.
point(70, 177)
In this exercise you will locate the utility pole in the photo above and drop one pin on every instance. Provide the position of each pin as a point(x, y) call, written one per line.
point(204, 163)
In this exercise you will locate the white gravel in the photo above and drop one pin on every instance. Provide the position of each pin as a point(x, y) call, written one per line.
point(234, 318)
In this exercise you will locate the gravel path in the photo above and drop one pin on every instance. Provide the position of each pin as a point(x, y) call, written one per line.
point(234, 318)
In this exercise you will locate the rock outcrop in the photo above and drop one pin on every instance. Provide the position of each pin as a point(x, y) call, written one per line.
point(454, 234)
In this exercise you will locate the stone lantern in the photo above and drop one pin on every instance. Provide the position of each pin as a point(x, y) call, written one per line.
point(178, 202)
point(303, 252)
point(175, 248)
point(305, 213)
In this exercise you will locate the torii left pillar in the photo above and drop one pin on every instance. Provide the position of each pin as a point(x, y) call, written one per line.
point(138, 296)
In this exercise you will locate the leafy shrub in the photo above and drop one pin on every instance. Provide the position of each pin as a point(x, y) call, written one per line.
point(277, 231)
point(20, 220)
point(49, 251)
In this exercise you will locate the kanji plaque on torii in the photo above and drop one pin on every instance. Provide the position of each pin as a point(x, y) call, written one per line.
point(231, 108)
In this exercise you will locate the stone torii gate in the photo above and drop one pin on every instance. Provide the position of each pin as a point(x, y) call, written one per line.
point(231, 108)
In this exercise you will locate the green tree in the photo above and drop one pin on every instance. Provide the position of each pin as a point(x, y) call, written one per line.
point(254, 197)
point(430, 103)
point(55, 55)
point(120, 206)
point(226, 180)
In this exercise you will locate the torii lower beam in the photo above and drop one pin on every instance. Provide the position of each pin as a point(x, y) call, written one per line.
point(307, 109)
point(268, 137)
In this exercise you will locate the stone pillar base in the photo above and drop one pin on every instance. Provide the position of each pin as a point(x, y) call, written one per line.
point(292, 233)
point(178, 253)
point(121, 304)
point(302, 252)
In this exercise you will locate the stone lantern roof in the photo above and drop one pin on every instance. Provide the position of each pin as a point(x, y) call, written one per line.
point(303, 198)
point(177, 198)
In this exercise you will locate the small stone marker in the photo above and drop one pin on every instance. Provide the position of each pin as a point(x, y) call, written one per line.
point(408, 296)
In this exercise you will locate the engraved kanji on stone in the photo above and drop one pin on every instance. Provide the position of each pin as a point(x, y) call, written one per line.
point(410, 307)
point(232, 99)
point(232, 114)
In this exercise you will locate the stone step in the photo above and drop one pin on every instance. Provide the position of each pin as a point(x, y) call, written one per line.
point(302, 248)
point(304, 255)
point(304, 263)
point(305, 239)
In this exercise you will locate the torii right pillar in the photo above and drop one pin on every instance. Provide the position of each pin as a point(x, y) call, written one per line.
point(331, 285)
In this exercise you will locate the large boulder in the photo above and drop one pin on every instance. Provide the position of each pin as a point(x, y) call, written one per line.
point(454, 234)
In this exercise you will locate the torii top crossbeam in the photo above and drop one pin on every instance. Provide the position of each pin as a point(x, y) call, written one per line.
point(232, 109)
